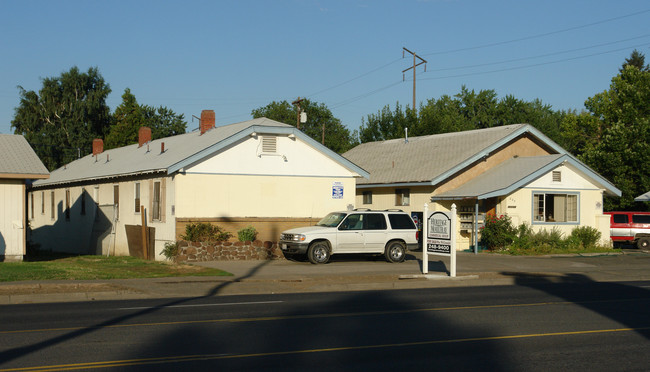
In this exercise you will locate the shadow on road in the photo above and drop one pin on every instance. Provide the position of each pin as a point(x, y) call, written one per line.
point(596, 296)
point(15, 353)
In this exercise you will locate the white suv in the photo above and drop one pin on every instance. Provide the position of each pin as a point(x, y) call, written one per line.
point(389, 232)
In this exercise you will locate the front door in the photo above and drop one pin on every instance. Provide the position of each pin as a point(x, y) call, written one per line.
point(350, 237)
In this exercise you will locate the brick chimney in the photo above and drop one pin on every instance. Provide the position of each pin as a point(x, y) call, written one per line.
point(207, 120)
point(98, 146)
point(144, 136)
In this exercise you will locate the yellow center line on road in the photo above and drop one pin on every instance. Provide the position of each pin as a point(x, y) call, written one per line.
point(316, 316)
point(189, 358)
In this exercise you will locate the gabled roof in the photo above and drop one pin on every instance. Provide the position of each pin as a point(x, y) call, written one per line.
point(644, 197)
point(179, 151)
point(516, 173)
point(432, 159)
point(18, 159)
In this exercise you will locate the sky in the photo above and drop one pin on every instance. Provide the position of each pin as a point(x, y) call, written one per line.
point(236, 56)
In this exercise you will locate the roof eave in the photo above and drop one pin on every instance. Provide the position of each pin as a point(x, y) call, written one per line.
point(263, 129)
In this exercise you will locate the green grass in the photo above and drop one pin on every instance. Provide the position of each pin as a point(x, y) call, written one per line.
point(97, 267)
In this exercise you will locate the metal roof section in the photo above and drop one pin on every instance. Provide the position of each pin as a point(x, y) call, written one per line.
point(645, 197)
point(431, 159)
point(18, 159)
point(516, 173)
point(172, 154)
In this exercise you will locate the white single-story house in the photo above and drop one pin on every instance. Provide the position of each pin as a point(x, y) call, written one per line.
point(19, 164)
point(258, 172)
point(512, 170)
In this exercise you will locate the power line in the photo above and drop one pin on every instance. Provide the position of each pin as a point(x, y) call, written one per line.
point(532, 65)
point(364, 95)
point(538, 35)
point(355, 78)
point(538, 56)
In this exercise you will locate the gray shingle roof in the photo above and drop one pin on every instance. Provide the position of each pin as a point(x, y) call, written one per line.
point(505, 177)
point(425, 158)
point(180, 151)
point(18, 157)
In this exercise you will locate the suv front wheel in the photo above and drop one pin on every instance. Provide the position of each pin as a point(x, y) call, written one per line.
point(318, 253)
point(395, 251)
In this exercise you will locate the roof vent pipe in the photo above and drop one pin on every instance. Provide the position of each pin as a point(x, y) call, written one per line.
point(162, 147)
point(406, 135)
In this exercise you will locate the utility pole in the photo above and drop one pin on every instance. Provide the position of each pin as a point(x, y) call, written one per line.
point(297, 103)
point(415, 64)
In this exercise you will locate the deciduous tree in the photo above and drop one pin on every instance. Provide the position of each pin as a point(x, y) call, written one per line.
point(62, 119)
point(337, 137)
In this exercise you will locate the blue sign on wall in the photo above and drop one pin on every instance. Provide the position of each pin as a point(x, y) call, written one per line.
point(337, 190)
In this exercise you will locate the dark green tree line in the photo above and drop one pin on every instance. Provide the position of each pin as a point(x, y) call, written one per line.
point(466, 110)
point(613, 137)
point(65, 115)
point(61, 120)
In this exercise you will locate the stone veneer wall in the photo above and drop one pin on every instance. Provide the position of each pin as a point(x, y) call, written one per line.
point(228, 251)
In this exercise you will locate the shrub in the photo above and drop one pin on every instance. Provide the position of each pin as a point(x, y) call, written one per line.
point(204, 232)
point(247, 234)
point(498, 232)
point(170, 251)
point(585, 236)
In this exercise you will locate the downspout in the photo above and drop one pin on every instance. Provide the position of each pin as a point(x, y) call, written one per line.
point(476, 227)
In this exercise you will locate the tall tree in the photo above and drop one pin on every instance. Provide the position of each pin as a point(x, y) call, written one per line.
point(387, 124)
point(464, 111)
point(621, 148)
point(636, 59)
point(62, 119)
point(129, 116)
point(337, 137)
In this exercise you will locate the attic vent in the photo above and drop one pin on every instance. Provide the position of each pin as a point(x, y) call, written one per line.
point(557, 176)
point(269, 145)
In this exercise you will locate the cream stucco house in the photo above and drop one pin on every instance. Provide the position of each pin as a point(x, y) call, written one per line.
point(19, 164)
point(513, 170)
point(258, 172)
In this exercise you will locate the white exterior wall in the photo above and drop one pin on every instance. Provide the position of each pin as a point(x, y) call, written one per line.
point(12, 212)
point(241, 181)
point(519, 205)
point(80, 233)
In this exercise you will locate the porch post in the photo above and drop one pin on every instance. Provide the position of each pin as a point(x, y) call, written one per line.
point(476, 227)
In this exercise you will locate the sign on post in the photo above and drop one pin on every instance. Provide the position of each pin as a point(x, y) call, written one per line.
point(440, 235)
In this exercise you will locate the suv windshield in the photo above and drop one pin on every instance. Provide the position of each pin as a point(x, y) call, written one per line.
point(331, 220)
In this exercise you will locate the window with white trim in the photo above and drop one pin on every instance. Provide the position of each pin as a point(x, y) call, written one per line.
point(402, 197)
point(554, 207)
point(156, 201)
point(136, 196)
point(367, 197)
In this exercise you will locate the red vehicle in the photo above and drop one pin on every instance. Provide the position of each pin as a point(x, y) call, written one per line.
point(631, 228)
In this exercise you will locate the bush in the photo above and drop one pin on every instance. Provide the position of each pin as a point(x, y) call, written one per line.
point(498, 232)
point(204, 232)
point(585, 236)
point(247, 234)
point(170, 251)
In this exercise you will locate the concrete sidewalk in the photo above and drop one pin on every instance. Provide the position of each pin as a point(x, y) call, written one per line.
point(346, 273)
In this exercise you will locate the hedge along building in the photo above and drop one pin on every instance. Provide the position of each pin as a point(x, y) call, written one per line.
point(259, 172)
point(512, 170)
point(19, 164)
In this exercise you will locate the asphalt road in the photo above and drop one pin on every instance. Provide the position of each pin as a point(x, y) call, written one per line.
point(539, 326)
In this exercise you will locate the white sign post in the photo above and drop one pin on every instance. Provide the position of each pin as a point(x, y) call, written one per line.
point(439, 238)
